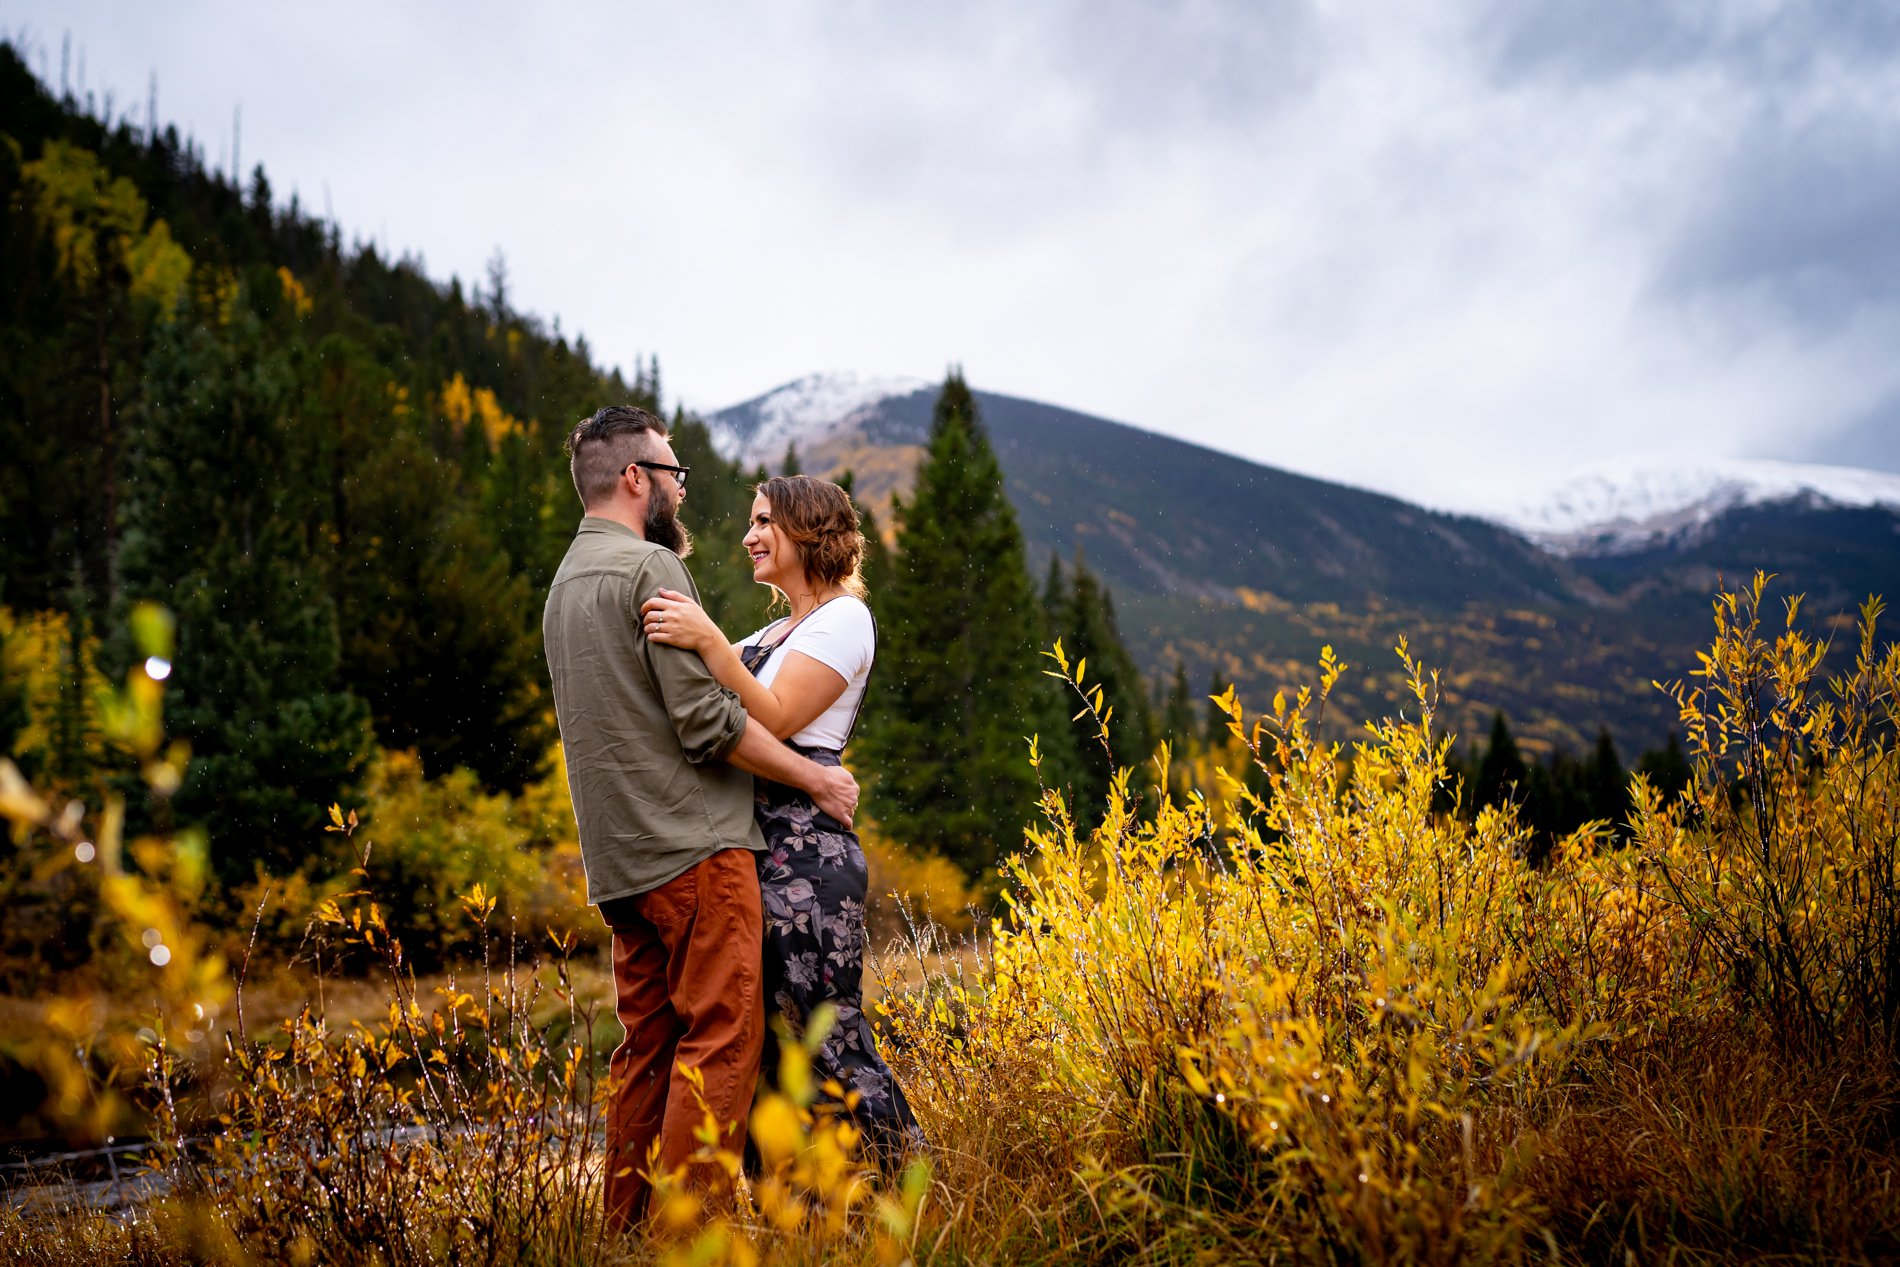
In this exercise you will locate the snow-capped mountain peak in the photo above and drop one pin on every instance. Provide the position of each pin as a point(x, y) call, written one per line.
point(1617, 509)
point(805, 412)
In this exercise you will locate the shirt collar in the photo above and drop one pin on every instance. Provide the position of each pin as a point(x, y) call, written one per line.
point(596, 523)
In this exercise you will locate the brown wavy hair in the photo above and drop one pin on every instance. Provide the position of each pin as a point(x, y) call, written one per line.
point(817, 516)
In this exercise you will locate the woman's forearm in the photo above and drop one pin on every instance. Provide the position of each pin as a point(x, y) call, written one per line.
point(757, 697)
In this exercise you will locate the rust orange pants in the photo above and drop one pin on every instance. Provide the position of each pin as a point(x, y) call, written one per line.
point(687, 981)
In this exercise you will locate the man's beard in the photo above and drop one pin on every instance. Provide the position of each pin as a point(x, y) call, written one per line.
point(663, 526)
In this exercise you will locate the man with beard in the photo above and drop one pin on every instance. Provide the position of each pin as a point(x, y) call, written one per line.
point(659, 763)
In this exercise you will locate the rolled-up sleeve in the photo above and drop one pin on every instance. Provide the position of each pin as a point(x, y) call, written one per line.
point(708, 718)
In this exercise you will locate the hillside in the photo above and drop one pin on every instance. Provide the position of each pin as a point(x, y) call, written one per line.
point(1228, 565)
point(1160, 516)
point(344, 479)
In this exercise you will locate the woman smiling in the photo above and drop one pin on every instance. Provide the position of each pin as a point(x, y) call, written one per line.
point(803, 677)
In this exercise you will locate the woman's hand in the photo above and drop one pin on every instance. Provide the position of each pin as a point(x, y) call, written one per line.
point(677, 621)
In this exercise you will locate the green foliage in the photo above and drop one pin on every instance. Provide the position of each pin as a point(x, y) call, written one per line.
point(958, 685)
point(428, 842)
point(443, 635)
point(215, 528)
point(52, 499)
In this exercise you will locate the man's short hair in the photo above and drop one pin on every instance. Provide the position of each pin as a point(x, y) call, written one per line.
point(603, 446)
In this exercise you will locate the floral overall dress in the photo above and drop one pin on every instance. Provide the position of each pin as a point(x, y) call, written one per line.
point(813, 883)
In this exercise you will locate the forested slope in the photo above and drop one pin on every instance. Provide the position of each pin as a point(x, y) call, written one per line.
point(343, 476)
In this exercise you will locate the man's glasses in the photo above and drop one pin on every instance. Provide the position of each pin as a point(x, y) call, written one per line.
point(679, 473)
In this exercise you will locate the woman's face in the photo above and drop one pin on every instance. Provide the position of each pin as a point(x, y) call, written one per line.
point(775, 559)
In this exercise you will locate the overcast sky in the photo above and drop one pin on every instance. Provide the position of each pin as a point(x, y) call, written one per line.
point(1450, 250)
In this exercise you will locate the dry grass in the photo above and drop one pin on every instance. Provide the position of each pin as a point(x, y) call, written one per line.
point(1714, 1147)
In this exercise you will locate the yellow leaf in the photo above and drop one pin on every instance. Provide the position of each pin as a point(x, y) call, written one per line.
point(776, 1129)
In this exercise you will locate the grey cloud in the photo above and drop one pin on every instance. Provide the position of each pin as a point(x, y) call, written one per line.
point(1201, 62)
point(1129, 66)
point(1006, 115)
point(1872, 441)
point(1801, 215)
point(1610, 40)
point(1778, 219)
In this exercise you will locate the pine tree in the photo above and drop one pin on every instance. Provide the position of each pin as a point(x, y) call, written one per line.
point(1667, 769)
point(1085, 621)
point(218, 527)
point(1607, 784)
point(440, 635)
point(717, 509)
point(1177, 711)
point(958, 683)
point(1056, 729)
point(876, 568)
point(790, 465)
point(1502, 775)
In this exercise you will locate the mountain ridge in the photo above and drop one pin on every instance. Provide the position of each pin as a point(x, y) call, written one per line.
point(1612, 509)
point(1233, 567)
point(1159, 515)
point(1629, 509)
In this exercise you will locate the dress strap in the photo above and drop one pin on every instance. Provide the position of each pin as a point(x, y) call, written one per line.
point(755, 656)
point(859, 710)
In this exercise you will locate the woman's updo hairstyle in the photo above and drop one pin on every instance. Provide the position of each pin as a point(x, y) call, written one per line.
point(817, 516)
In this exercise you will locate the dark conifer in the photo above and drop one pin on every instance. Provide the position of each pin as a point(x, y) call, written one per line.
point(958, 683)
point(218, 528)
point(1607, 784)
point(877, 554)
point(1088, 629)
point(440, 635)
point(717, 508)
point(1502, 775)
point(1177, 715)
point(1667, 769)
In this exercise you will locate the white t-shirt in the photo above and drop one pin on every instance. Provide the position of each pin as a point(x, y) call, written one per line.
point(840, 636)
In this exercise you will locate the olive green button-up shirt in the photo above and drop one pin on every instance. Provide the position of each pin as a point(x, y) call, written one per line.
point(645, 727)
